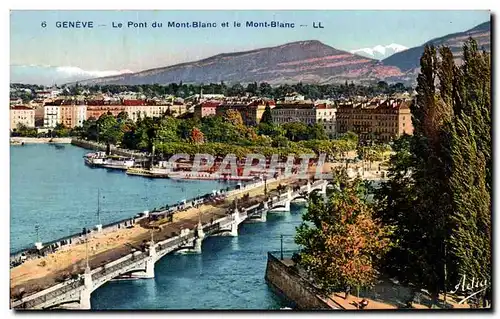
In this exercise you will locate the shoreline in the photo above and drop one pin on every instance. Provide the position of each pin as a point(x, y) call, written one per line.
point(39, 140)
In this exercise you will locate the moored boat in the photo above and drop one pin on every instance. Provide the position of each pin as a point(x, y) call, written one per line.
point(100, 159)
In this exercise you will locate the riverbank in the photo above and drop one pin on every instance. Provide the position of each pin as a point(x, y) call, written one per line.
point(39, 140)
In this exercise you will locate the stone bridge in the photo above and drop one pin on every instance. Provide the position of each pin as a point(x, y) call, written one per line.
point(75, 293)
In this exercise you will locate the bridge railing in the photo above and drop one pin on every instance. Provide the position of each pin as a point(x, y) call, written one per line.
point(133, 259)
point(32, 303)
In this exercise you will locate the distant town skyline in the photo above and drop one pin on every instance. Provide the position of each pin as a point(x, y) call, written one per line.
point(41, 51)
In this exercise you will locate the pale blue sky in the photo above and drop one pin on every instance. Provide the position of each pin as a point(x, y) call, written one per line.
point(105, 48)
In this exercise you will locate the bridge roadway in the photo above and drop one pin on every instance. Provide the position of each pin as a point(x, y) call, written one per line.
point(75, 293)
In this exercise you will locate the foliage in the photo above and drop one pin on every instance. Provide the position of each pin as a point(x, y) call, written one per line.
point(438, 196)
point(234, 117)
point(341, 242)
point(317, 132)
point(266, 116)
point(23, 130)
point(296, 131)
point(197, 136)
point(61, 131)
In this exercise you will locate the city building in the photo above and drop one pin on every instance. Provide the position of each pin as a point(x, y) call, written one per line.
point(81, 114)
point(136, 109)
point(96, 108)
point(73, 113)
point(39, 115)
point(20, 114)
point(381, 120)
point(294, 97)
point(294, 112)
point(206, 109)
point(178, 108)
point(47, 93)
point(326, 116)
point(52, 114)
point(306, 113)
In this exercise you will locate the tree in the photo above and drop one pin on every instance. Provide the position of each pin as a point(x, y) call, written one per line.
point(197, 136)
point(280, 141)
point(236, 90)
point(234, 117)
point(272, 130)
point(266, 116)
point(341, 242)
point(109, 129)
point(471, 167)
point(122, 116)
point(317, 132)
point(60, 131)
point(296, 131)
point(438, 196)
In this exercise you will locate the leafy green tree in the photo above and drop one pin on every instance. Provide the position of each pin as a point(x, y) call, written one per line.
point(60, 131)
point(280, 141)
point(109, 129)
point(272, 130)
point(122, 116)
point(317, 132)
point(471, 166)
point(438, 196)
point(296, 131)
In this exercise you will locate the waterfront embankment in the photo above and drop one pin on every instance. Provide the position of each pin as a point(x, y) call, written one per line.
point(91, 145)
point(40, 140)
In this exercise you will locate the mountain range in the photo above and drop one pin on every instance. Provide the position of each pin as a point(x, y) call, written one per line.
point(307, 61)
point(408, 61)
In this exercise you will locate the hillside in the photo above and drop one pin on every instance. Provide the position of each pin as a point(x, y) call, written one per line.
point(306, 61)
point(409, 60)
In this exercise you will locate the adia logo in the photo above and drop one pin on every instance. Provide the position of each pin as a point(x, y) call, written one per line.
point(474, 287)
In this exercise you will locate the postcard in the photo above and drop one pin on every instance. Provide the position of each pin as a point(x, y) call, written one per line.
point(251, 160)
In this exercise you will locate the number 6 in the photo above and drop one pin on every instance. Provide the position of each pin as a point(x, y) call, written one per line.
point(44, 24)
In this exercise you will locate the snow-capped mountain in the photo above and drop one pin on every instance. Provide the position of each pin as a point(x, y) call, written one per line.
point(380, 52)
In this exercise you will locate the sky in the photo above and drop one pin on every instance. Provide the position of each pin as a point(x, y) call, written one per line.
point(105, 50)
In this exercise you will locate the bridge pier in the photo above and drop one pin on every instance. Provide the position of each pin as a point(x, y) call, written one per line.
point(199, 238)
point(87, 290)
point(235, 223)
point(150, 262)
point(263, 214)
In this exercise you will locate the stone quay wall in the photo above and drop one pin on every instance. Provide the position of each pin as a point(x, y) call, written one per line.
point(290, 284)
